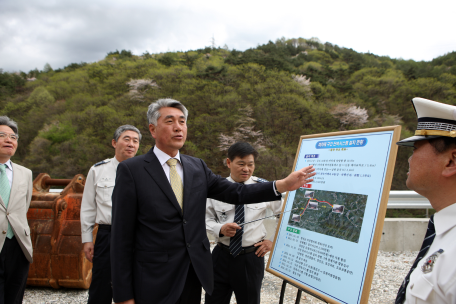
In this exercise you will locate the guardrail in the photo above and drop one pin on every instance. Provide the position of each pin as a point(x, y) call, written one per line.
point(407, 200)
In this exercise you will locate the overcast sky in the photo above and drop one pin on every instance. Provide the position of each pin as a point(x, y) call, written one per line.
point(36, 32)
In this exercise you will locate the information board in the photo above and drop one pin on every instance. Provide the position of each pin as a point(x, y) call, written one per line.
point(328, 244)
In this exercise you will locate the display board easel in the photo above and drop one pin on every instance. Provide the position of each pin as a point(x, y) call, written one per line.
point(299, 293)
point(327, 246)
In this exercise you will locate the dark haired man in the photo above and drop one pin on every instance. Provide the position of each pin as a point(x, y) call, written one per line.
point(238, 258)
point(432, 173)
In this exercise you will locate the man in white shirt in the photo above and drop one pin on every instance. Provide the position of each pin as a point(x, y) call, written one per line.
point(432, 173)
point(239, 268)
point(96, 208)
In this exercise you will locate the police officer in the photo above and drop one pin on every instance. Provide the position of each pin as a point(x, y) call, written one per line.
point(96, 208)
point(238, 258)
point(432, 173)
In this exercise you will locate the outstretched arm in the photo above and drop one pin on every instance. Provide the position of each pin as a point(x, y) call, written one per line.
point(296, 179)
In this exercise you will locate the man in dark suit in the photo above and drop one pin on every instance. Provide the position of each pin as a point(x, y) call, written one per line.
point(159, 248)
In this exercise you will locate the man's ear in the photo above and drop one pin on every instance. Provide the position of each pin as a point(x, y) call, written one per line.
point(152, 130)
point(450, 167)
point(114, 143)
point(228, 163)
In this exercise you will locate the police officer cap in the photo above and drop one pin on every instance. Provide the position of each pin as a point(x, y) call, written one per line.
point(435, 120)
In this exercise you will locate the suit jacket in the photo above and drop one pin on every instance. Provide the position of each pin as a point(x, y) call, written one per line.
point(16, 214)
point(152, 241)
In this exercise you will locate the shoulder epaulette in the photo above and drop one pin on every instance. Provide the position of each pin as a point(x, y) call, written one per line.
point(259, 179)
point(101, 163)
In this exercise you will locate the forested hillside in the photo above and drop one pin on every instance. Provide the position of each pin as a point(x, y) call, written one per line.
point(268, 96)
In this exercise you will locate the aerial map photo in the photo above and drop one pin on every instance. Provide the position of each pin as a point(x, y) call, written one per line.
point(336, 214)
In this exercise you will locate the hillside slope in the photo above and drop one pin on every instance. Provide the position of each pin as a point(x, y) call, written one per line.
point(268, 95)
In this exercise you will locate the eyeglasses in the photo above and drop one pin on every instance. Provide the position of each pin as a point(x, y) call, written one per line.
point(13, 137)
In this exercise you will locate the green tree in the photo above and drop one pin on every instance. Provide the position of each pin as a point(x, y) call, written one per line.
point(47, 68)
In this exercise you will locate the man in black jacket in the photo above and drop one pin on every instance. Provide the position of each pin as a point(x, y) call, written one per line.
point(159, 248)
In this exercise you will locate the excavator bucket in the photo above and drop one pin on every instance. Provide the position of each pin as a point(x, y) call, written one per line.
point(53, 217)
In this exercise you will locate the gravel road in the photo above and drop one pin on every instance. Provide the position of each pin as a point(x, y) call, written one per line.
point(390, 270)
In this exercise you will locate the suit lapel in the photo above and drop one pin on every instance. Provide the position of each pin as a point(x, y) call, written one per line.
point(188, 180)
point(2, 203)
point(155, 170)
point(1, 199)
point(16, 179)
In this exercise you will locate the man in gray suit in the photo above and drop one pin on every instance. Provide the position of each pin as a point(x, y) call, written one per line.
point(15, 195)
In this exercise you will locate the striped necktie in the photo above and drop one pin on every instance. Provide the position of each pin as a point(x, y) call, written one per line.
point(176, 181)
point(5, 190)
point(428, 239)
point(236, 240)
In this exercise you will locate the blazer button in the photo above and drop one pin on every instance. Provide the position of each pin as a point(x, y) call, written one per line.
point(184, 221)
point(4, 232)
point(188, 244)
point(7, 213)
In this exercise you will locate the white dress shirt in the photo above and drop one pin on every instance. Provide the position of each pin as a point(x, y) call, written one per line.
point(96, 205)
point(163, 158)
point(439, 285)
point(219, 213)
point(9, 172)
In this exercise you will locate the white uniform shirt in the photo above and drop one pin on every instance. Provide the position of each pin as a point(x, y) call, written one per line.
point(96, 205)
point(439, 285)
point(219, 213)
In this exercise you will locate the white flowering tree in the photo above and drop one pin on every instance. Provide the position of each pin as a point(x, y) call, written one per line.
point(303, 81)
point(245, 131)
point(350, 115)
point(139, 86)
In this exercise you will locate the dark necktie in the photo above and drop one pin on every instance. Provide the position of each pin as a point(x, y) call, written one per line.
point(428, 239)
point(236, 240)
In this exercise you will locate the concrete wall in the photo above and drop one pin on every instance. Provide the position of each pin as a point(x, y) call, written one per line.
point(399, 234)
point(403, 234)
